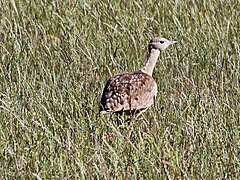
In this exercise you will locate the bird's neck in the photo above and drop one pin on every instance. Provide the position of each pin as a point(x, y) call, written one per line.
point(151, 61)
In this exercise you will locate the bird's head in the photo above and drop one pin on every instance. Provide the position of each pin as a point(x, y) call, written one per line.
point(160, 43)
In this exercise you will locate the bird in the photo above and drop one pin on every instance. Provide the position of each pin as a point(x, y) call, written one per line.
point(134, 92)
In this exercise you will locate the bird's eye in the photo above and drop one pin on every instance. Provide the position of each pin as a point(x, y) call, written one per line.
point(161, 42)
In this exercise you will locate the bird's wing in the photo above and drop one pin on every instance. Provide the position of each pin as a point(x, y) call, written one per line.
point(128, 91)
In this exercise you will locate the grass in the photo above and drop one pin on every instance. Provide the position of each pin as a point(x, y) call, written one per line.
point(55, 59)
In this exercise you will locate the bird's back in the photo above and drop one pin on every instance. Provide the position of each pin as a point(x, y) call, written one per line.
point(128, 92)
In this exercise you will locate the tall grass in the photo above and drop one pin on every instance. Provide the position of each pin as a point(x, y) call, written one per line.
point(55, 59)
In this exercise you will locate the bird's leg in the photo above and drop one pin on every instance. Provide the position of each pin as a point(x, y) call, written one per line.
point(119, 117)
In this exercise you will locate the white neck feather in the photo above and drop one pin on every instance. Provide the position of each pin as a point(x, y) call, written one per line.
point(151, 61)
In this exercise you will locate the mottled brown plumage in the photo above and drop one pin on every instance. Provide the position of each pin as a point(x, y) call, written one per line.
point(133, 91)
point(128, 92)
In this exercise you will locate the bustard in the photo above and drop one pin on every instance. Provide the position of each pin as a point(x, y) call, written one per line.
point(134, 92)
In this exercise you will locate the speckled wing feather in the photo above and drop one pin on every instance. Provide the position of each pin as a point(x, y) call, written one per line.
point(128, 92)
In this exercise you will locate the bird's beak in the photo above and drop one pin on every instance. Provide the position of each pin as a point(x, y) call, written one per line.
point(173, 42)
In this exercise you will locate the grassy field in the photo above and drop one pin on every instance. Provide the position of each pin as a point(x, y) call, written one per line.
point(55, 59)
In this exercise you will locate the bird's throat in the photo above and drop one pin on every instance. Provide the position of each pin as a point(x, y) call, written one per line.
point(151, 61)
